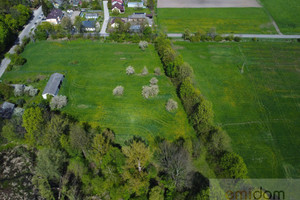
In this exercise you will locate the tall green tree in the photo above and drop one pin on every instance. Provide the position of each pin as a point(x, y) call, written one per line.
point(232, 166)
point(33, 122)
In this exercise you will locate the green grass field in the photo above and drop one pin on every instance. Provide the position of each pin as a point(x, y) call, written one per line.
point(259, 108)
point(225, 20)
point(92, 70)
point(286, 13)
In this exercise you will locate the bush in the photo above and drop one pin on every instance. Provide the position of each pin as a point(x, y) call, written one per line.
point(185, 71)
point(19, 90)
point(21, 102)
point(171, 105)
point(229, 38)
point(157, 71)
point(31, 91)
point(153, 81)
point(237, 39)
point(130, 70)
point(16, 59)
point(143, 45)
point(218, 38)
point(58, 102)
point(118, 91)
point(255, 39)
point(150, 91)
point(298, 39)
point(6, 91)
point(144, 71)
point(9, 67)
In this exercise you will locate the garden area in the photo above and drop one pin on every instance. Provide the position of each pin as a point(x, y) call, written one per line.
point(254, 89)
point(92, 70)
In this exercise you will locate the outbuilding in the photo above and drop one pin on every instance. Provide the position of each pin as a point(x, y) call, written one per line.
point(6, 110)
point(53, 85)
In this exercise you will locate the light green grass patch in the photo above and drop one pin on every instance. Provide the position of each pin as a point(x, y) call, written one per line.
point(225, 20)
point(92, 70)
point(258, 108)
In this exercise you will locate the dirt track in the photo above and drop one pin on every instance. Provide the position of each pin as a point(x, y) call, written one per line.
point(206, 3)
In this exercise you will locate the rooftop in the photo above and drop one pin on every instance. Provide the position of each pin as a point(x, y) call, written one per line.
point(6, 110)
point(53, 84)
point(88, 24)
point(55, 13)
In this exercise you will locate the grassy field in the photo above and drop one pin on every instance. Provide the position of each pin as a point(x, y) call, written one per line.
point(92, 70)
point(259, 108)
point(286, 13)
point(225, 20)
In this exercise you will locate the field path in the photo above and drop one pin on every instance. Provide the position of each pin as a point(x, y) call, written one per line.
point(179, 35)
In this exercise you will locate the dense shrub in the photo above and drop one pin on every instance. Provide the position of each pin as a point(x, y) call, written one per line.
point(157, 71)
point(153, 81)
point(171, 105)
point(237, 39)
point(6, 91)
point(16, 59)
point(118, 91)
point(143, 45)
point(232, 166)
point(229, 38)
point(189, 95)
point(185, 71)
point(144, 71)
point(21, 102)
point(130, 70)
point(150, 91)
point(58, 102)
point(218, 38)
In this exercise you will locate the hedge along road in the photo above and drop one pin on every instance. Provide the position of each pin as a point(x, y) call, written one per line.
point(25, 33)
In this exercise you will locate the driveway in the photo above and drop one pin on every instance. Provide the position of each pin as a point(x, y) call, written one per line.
point(106, 18)
point(25, 32)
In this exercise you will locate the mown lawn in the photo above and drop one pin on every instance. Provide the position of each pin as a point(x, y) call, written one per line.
point(286, 13)
point(92, 70)
point(260, 107)
point(225, 20)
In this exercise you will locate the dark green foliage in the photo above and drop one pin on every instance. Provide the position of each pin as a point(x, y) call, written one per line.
point(16, 59)
point(21, 102)
point(232, 166)
point(46, 7)
point(6, 91)
point(237, 39)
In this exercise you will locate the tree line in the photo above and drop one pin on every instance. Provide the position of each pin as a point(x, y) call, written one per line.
point(225, 163)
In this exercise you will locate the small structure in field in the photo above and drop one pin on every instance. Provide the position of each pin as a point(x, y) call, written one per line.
point(6, 110)
point(53, 85)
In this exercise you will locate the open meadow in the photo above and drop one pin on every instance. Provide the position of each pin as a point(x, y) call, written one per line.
point(225, 20)
point(255, 91)
point(92, 70)
point(286, 13)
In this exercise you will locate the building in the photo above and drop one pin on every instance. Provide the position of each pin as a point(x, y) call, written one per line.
point(137, 17)
point(117, 1)
point(55, 16)
point(6, 110)
point(118, 7)
point(115, 24)
point(53, 85)
point(91, 15)
point(89, 25)
point(57, 3)
point(136, 5)
point(135, 28)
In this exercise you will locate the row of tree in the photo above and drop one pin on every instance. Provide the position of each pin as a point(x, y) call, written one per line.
point(199, 110)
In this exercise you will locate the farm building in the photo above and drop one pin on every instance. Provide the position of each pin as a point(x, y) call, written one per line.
point(53, 85)
point(55, 16)
point(89, 25)
point(6, 110)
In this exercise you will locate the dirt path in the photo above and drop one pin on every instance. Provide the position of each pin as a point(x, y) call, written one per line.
point(206, 3)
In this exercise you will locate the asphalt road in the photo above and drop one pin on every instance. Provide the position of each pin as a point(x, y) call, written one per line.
point(25, 32)
point(179, 35)
point(106, 18)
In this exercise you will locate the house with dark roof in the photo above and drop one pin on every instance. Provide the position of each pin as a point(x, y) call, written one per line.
point(55, 16)
point(118, 7)
point(6, 110)
point(114, 22)
point(53, 85)
point(89, 25)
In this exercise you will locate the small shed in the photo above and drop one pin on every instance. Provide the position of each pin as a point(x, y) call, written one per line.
point(6, 110)
point(53, 85)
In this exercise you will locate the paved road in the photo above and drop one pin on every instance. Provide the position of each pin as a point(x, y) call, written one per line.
point(25, 32)
point(179, 35)
point(106, 18)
